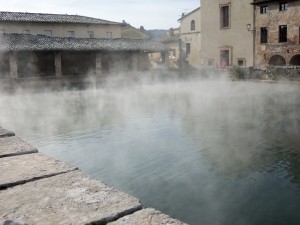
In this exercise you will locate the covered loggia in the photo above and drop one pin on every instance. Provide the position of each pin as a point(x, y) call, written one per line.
point(117, 62)
point(42, 56)
point(295, 60)
point(4, 65)
point(35, 63)
point(78, 63)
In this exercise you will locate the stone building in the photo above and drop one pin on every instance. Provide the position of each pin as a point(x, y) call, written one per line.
point(190, 36)
point(225, 40)
point(173, 42)
point(131, 32)
point(54, 45)
point(277, 28)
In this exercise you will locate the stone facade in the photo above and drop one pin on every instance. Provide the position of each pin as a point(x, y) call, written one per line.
point(48, 45)
point(190, 36)
point(133, 33)
point(277, 30)
point(57, 25)
point(225, 40)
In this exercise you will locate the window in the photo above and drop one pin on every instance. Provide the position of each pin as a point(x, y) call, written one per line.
point(224, 14)
point(193, 25)
point(241, 62)
point(26, 31)
point(283, 33)
point(90, 34)
point(263, 35)
point(283, 6)
point(48, 33)
point(188, 49)
point(109, 35)
point(264, 9)
point(70, 34)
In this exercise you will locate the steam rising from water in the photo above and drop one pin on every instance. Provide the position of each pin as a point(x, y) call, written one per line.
point(205, 151)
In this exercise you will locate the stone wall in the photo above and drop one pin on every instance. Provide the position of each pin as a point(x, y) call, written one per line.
point(275, 51)
point(287, 73)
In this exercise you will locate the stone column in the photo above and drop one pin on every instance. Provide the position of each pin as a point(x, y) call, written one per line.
point(13, 65)
point(98, 64)
point(135, 66)
point(58, 71)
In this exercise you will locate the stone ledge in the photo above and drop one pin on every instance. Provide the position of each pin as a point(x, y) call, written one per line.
point(6, 133)
point(147, 216)
point(25, 168)
point(70, 198)
point(11, 146)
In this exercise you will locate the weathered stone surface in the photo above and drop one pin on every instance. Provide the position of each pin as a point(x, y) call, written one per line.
point(10, 146)
point(24, 168)
point(6, 133)
point(147, 216)
point(70, 198)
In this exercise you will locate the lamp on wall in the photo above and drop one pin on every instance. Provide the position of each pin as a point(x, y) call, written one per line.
point(249, 28)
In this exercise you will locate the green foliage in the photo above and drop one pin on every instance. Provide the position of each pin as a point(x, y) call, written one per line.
point(237, 73)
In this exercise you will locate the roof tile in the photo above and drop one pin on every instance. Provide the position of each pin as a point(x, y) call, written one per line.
point(29, 42)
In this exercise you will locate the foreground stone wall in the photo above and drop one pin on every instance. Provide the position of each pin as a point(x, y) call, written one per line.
point(36, 189)
point(291, 73)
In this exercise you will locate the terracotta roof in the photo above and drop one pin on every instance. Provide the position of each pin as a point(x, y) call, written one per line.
point(28, 42)
point(50, 18)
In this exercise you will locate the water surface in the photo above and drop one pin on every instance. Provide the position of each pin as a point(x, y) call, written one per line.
point(205, 152)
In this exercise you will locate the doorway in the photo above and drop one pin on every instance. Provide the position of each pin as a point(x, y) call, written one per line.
point(224, 58)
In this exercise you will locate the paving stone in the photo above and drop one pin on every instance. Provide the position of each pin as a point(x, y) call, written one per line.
point(6, 133)
point(10, 146)
point(70, 198)
point(147, 216)
point(24, 168)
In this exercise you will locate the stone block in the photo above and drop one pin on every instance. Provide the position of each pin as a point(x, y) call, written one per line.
point(24, 168)
point(147, 216)
point(70, 198)
point(10, 146)
point(6, 133)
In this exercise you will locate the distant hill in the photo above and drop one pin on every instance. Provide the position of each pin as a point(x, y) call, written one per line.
point(157, 34)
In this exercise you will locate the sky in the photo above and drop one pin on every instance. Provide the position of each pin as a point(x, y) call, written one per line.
point(158, 14)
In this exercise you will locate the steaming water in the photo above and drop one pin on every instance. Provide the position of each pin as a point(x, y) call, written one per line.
point(205, 152)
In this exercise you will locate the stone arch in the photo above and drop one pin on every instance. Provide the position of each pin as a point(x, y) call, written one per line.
point(295, 60)
point(277, 60)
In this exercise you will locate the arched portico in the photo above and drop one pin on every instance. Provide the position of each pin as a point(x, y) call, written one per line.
point(277, 60)
point(295, 60)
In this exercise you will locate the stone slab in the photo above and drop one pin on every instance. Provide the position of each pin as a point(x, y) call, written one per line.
point(70, 198)
point(147, 216)
point(10, 146)
point(25, 168)
point(6, 133)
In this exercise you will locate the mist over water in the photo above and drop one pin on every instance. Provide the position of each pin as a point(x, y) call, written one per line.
point(204, 151)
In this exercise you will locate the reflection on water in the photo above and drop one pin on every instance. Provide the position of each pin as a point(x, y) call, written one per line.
point(204, 152)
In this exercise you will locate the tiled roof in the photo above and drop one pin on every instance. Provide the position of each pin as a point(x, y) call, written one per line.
point(50, 18)
point(28, 42)
point(185, 15)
